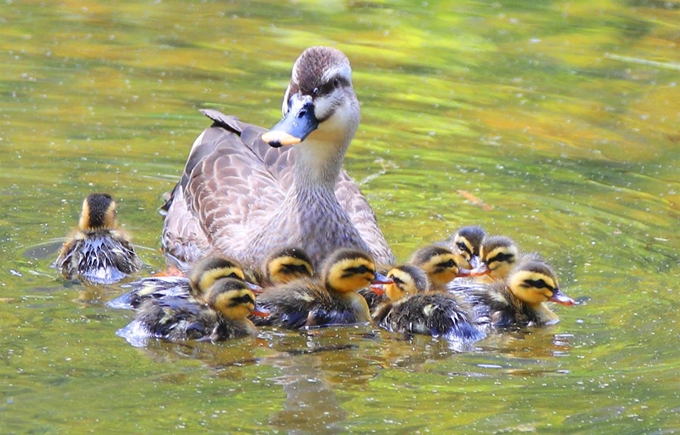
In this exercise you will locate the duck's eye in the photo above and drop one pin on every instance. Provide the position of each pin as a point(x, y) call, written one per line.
point(461, 246)
point(315, 91)
point(450, 263)
point(336, 82)
point(397, 280)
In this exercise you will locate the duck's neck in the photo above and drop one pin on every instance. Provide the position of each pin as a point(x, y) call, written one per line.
point(318, 163)
point(319, 158)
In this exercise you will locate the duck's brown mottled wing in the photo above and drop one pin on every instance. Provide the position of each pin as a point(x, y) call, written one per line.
point(363, 217)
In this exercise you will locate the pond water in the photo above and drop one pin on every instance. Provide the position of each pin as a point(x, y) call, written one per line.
point(555, 123)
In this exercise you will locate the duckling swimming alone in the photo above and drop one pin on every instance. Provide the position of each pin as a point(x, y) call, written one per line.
point(520, 301)
point(203, 275)
point(413, 310)
point(229, 302)
point(98, 251)
point(241, 197)
point(331, 300)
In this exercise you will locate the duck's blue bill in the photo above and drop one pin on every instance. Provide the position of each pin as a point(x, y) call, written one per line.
point(296, 125)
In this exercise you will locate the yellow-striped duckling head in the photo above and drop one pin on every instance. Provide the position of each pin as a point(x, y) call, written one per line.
point(287, 264)
point(233, 299)
point(439, 263)
point(211, 269)
point(499, 255)
point(534, 282)
point(466, 245)
point(407, 281)
point(348, 270)
point(98, 214)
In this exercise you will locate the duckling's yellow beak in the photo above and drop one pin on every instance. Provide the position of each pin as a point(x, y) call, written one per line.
point(561, 298)
point(298, 122)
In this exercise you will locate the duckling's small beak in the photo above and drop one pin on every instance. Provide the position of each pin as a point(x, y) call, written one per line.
point(463, 272)
point(296, 124)
point(381, 279)
point(475, 261)
point(259, 311)
point(254, 287)
point(480, 270)
point(561, 298)
point(378, 289)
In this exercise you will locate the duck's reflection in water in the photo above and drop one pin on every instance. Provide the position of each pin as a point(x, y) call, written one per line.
point(309, 376)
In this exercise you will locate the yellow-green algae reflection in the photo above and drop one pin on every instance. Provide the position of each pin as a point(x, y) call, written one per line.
point(553, 122)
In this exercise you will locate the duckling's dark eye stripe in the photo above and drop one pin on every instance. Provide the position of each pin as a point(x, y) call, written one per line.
point(503, 257)
point(447, 264)
point(538, 283)
point(359, 270)
point(295, 269)
point(243, 299)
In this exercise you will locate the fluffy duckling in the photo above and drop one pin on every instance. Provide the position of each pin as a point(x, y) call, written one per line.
point(408, 280)
point(521, 300)
point(440, 265)
point(466, 245)
point(229, 302)
point(438, 262)
point(499, 255)
point(98, 251)
point(413, 310)
point(330, 300)
point(285, 265)
point(203, 275)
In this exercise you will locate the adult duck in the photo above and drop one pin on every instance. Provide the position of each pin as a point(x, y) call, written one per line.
point(246, 191)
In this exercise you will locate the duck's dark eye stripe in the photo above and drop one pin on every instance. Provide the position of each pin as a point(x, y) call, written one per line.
point(538, 283)
point(503, 257)
point(463, 247)
point(243, 299)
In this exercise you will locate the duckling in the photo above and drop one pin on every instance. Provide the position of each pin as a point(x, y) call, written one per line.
point(246, 191)
point(521, 300)
point(414, 310)
point(203, 275)
point(440, 265)
point(408, 280)
point(466, 244)
point(499, 255)
point(98, 251)
point(285, 265)
point(229, 302)
point(331, 300)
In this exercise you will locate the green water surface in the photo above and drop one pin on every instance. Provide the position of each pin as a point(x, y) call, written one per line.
point(556, 123)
